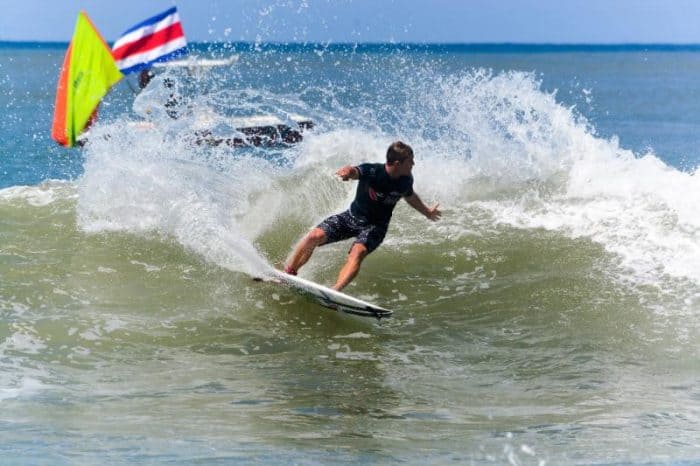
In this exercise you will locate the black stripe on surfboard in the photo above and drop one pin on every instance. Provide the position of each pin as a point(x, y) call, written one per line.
point(350, 309)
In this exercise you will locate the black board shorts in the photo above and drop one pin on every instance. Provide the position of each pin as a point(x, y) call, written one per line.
point(345, 225)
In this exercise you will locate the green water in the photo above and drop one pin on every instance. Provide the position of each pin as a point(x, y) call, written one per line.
point(131, 348)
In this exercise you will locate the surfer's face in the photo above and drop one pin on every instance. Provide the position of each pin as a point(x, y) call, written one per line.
point(405, 166)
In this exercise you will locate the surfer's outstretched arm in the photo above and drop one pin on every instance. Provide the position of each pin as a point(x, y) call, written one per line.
point(348, 172)
point(431, 213)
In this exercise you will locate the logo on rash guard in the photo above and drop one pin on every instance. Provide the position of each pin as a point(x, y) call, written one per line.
point(372, 194)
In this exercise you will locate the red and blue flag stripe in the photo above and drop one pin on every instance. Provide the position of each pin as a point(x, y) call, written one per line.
point(156, 39)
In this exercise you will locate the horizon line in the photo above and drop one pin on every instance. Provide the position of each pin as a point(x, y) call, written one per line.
point(397, 44)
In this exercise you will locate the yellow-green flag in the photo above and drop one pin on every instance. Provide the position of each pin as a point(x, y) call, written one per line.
point(87, 74)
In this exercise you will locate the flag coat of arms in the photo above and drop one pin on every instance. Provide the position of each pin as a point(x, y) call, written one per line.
point(156, 39)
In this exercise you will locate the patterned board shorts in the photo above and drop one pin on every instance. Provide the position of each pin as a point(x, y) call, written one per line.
point(345, 225)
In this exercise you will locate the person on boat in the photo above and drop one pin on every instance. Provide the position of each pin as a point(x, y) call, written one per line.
point(145, 77)
point(379, 189)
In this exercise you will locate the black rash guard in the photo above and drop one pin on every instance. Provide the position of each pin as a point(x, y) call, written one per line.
point(378, 193)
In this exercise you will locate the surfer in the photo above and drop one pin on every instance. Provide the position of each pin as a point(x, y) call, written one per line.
point(379, 189)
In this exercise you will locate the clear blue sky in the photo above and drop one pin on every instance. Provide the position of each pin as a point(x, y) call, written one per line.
point(465, 21)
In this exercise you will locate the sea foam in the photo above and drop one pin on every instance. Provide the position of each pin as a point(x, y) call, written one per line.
point(493, 141)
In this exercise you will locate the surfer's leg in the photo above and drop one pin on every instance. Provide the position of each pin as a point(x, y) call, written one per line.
point(357, 254)
point(304, 249)
point(368, 239)
point(334, 228)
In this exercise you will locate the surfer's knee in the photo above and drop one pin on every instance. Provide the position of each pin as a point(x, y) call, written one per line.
point(316, 237)
point(358, 252)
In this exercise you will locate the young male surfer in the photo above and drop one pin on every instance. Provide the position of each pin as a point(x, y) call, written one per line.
point(379, 189)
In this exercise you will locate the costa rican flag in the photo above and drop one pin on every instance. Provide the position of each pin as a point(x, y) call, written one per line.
point(156, 39)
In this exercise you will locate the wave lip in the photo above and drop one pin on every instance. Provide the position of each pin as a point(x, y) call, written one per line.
point(496, 139)
point(501, 141)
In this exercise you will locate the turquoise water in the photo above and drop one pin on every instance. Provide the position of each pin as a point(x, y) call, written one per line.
point(550, 317)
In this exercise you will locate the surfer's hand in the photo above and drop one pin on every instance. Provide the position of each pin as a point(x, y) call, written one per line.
point(347, 172)
point(434, 213)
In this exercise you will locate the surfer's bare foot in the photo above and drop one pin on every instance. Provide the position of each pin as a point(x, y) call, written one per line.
point(290, 271)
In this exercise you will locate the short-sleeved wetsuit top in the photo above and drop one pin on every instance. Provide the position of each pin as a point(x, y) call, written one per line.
point(378, 193)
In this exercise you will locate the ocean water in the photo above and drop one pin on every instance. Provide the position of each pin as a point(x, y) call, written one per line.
point(551, 317)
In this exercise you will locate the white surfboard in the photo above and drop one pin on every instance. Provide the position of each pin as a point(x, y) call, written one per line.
point(331, 298)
